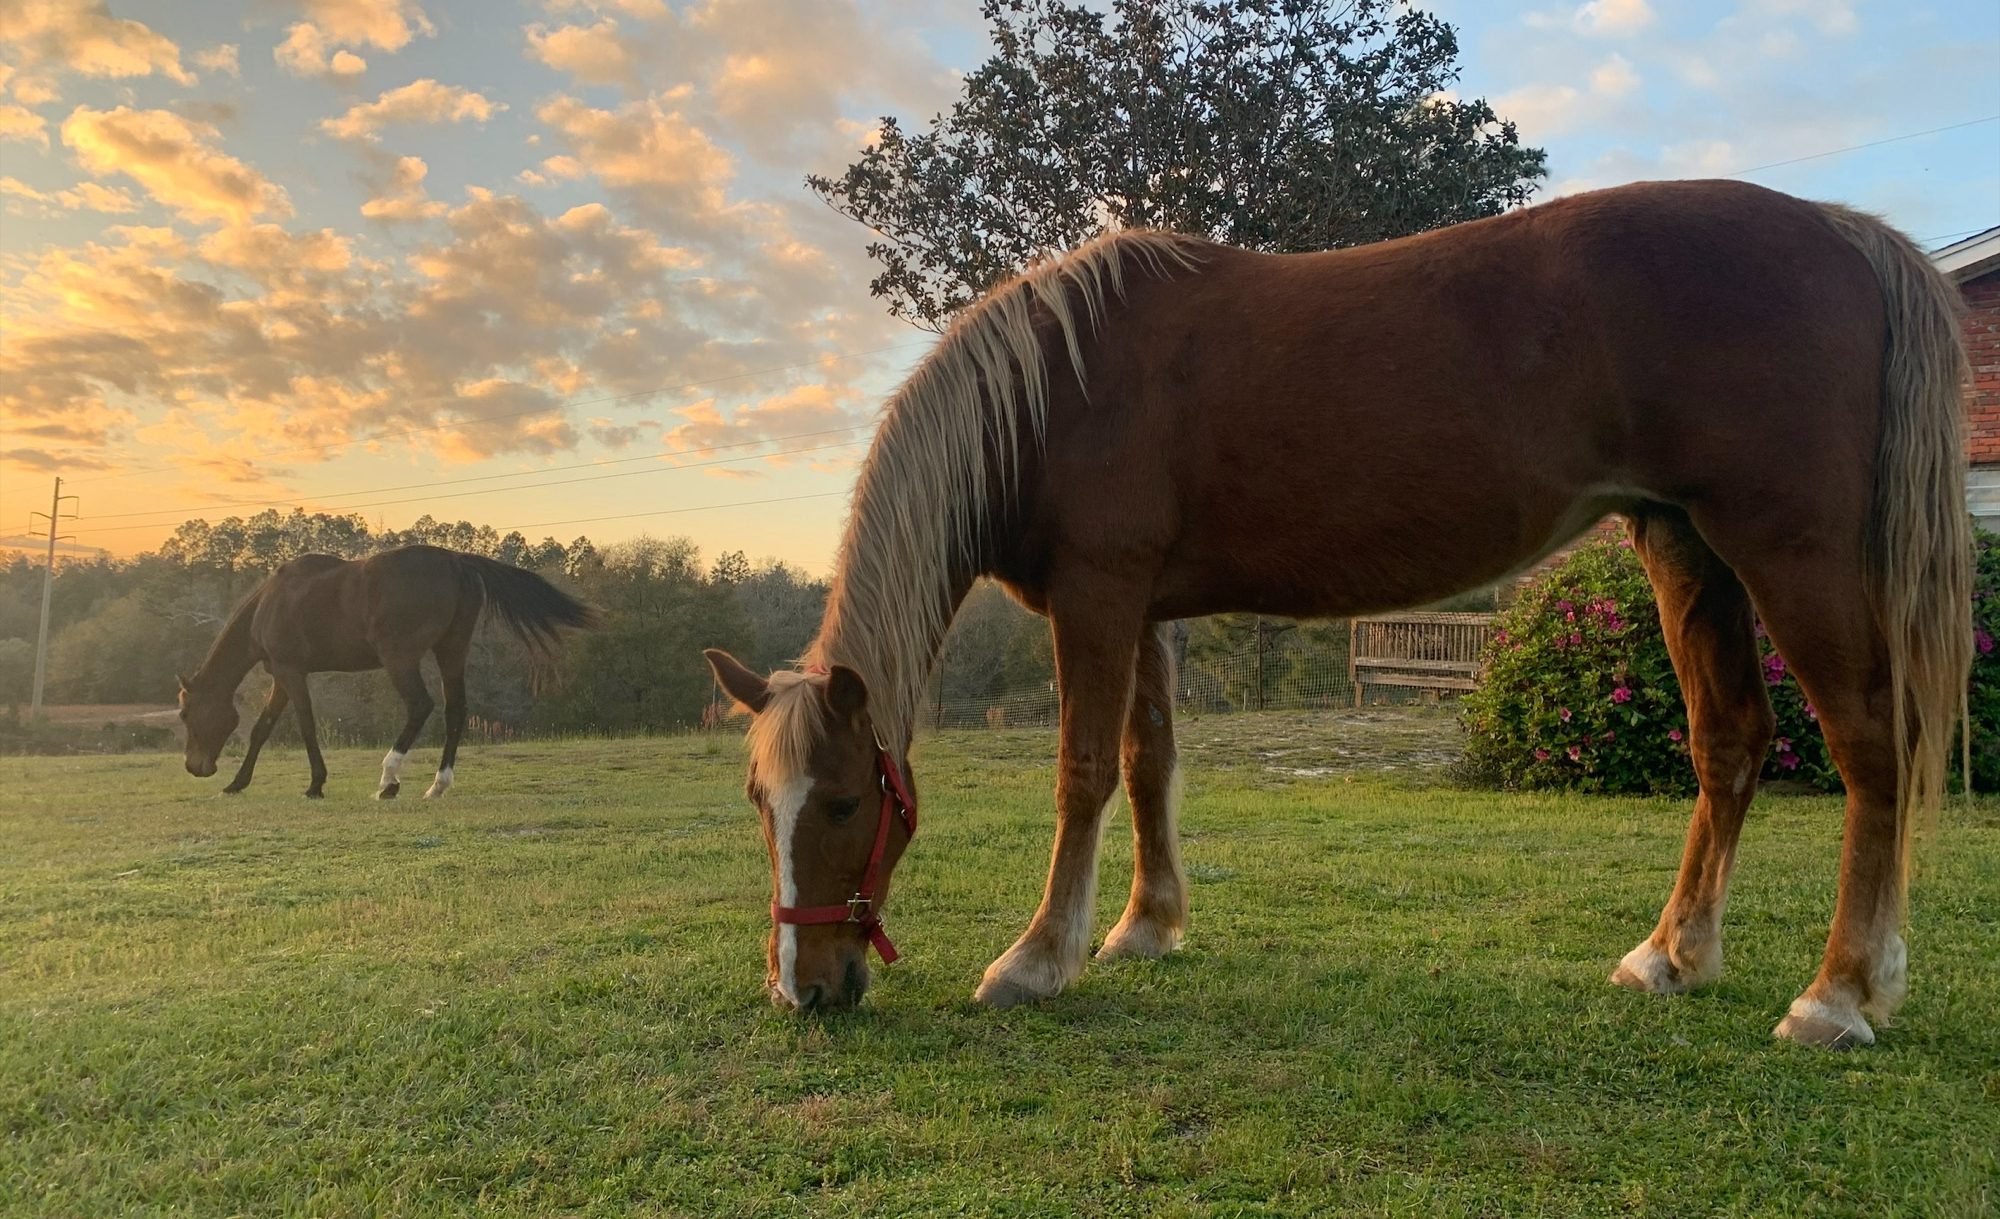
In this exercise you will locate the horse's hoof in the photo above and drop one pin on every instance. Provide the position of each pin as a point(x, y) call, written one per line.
point(1813, 1023)
point(315, 794)
point(1139, 938)
point(389, 792)
point(234, 789)
point(1000, 994)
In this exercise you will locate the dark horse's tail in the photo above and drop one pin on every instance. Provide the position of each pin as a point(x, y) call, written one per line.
point(534, 609)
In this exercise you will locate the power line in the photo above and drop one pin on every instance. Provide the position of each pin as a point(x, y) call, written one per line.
point(1834, 152)
point(539, 410)
point(627, 516)
point(479, 478)
point(424, 499)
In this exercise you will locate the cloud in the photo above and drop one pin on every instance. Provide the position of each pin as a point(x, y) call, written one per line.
point(83, 37)
point(307, 51)
point(593, 54)
point(403, 198)
point(45, 462)
point(84, 196)
point(22, 124)
point(422, 101)
point(221, 58)
point(1544, 110)
point(793, 412)
point(173, 159)
point(317, 46)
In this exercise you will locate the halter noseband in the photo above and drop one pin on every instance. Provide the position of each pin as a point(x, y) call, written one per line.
point(860, 909)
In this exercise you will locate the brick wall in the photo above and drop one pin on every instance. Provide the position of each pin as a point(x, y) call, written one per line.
point(1982, 342)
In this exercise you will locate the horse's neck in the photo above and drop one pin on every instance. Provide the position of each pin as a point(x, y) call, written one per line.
point(232, 655)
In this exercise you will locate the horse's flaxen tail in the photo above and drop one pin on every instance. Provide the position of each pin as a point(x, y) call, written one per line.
point(534, 609)
point(1920, 543)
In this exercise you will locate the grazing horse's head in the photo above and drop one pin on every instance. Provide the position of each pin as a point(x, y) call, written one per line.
point(209, 716)
point(836, 818)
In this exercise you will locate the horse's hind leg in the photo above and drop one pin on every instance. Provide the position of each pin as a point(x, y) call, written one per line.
point(1711, 635)
point(408, 678)
point(1097, 628)
point(1816, 608)
point(451, 667)
point(1157, 911)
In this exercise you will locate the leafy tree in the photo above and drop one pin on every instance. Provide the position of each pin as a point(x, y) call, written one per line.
point(1273, 124)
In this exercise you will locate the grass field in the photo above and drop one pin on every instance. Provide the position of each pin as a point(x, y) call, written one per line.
point(542, 995)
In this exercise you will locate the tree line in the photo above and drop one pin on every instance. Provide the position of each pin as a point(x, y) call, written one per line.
point(121, 629)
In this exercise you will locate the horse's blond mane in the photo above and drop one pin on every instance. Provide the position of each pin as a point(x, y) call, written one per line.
point(915, 524)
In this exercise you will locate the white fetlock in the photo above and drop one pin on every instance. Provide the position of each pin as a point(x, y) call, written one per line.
point(1027, 972)
point(440, 785)
point(392, 770)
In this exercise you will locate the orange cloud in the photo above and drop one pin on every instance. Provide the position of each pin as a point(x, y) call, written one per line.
point(22, 124)
point(83, 36)
point(173, 159)
point(404, 198)
point(422, 101)
point(84, 196)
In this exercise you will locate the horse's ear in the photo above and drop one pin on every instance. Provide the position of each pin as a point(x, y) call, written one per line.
point(182, 679)
point(740, 683)
point(846, 693)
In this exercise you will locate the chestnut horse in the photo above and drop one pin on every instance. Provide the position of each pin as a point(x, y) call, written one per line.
point(320, 614)
point(1766, 388)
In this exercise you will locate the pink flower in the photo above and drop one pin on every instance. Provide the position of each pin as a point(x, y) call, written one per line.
point(1788, 761)
point(1608, 735)
point(1622, 694)
point(1500, 636)
point(1774, 669)
point(1624, 543)
point(1570, 616)
point(1674, 734)
point(1982, 641)
point(1812, 713)
point(1564, 607)
point(1576, 753)
point(1541, 755)
point(1784, 744)
point(1565, 714)
point(1576, 637)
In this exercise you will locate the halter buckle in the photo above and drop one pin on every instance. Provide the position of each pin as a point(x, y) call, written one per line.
point(859, 908)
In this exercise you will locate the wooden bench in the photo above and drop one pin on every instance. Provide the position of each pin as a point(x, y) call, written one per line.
point(1437, 653)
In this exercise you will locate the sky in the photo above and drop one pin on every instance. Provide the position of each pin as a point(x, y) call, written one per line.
point(549, 265)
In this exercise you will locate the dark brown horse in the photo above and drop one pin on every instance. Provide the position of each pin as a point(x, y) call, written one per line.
point(320, 614)
point(1767, 388)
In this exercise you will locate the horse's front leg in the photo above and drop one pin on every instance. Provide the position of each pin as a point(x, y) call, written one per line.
point(1095, 649)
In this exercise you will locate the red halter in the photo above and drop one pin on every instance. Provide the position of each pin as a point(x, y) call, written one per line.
point(860, 909)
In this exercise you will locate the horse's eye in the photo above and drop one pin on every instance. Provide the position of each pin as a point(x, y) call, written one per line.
point(841, 810)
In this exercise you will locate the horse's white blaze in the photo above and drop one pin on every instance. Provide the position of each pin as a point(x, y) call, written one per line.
point(441, 784)
point(786, 804)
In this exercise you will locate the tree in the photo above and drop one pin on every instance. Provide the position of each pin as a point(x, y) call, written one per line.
point(1274, 124)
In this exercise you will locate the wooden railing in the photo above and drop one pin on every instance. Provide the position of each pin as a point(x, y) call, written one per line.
point(1434, 652)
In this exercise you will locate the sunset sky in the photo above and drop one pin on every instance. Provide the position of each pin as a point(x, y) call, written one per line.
point(452, 257)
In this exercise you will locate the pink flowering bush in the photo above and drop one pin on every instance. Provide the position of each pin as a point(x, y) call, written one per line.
point(1578, 690)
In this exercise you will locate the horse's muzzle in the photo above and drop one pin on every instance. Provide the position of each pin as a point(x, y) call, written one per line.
point(200, 769)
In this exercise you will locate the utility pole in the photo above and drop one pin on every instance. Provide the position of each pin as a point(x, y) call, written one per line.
point(48, 591)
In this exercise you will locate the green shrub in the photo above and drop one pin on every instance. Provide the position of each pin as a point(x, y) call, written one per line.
point(1579, 692)
point(1985, 693)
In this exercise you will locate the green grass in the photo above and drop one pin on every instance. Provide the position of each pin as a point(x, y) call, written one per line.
point(542, 995)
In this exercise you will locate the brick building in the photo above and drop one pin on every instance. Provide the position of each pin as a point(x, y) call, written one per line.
point(1974, 265)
